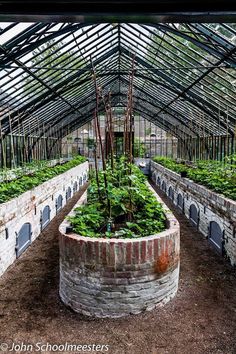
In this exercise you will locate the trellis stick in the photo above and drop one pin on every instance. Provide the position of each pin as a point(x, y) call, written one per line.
point(109, 126)
point(95, 158)
point(44, 147)
point(57, 152)
point(39, 141)
point(111, 132)
point(21, 139)
point(97, 93)
point(25, 143)
point(131, 113)
point(98, 124)
point(3, 147)
point(227, 131)
point(125, 132)
point(129, 134)
point(11, 139)
point(106, 129)
point(49, 156)
point(63, 144)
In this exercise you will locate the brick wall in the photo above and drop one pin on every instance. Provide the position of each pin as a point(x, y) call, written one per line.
point(210, 206)
point(115, 277)
point(28, 208)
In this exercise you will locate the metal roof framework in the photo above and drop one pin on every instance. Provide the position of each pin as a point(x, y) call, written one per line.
point(184, 80)
point(161, 11)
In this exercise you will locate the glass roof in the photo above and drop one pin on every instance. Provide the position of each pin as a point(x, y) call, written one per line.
point(184, 75)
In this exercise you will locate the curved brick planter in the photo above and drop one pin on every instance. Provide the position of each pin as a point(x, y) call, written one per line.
point(114, 278)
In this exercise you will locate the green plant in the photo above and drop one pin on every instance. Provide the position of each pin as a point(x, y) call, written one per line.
point(139, 148)
point(148, 131)
point(128, 195)
point(91, 143)
point(14, 188)
point(217, 176)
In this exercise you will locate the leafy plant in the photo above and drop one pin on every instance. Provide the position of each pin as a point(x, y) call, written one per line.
point(14, 188)
point(128, 195)
point(139, 148)
point(217, 176)
point(91, 143)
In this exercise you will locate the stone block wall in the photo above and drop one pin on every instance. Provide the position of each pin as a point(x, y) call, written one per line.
point(28, 209)
point(210, 207)
point(117, 277)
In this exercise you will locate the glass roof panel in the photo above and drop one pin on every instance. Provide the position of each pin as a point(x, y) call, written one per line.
point(184, 74)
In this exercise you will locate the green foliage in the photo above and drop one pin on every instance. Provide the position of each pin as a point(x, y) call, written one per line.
point(148, 131)
point(8, 174)
point(139, 148)
point(217, 176)
point(129, 195)
point(14, 188)
point(91, 143)
point(88, 219)
point(171, 164)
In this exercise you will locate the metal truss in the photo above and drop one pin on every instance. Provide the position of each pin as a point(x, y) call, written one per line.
point(125, 11)
point(184, 80)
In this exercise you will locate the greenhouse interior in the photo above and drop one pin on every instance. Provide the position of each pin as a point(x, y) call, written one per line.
point(117, 177)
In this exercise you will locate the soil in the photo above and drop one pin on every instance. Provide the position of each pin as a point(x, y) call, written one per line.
point(201, 318)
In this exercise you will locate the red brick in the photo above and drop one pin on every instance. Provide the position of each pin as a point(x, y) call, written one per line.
point(150, 249)
point(162, 246)
point(143, 251)
point(156, 248)
point(81, 250)
point(89, 253)
point(120, 254)
point(103, 253)
point(136, 252)
point(111, 254)
point(128, 252)
point(170, 246)
point(96, 249)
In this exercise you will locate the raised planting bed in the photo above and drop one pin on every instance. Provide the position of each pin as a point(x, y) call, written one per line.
point(118, 272)
point(23, 218)
point(218, 176)
point(28, 168)
point(14, 188)
point(213, 214)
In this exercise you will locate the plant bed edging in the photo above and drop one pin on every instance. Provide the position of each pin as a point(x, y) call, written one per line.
point(117, 277)
point(27, 208)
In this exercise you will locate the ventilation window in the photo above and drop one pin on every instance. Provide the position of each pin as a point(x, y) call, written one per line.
point(6, 233)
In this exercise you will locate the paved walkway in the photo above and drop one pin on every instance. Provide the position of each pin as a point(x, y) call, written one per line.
point(201, 319)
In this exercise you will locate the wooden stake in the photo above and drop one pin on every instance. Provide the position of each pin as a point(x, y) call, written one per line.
point(97, 92)
point(21, 140)
point(11, 139)
point(108, 110)
point(3, 147)
point(95, 159)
